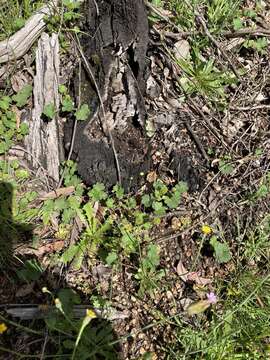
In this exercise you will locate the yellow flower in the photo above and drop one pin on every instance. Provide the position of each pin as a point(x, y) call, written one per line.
point(90, 313)
point(206, 229)
point(3, 328)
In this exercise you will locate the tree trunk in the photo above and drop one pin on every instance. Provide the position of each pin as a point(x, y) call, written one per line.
point(112, 145)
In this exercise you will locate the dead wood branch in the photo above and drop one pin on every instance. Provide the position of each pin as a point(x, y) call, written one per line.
point(227, 34)
point(18, 44)
point(250, 108)
point(197, 141)
point(247, 32)
point(43, 140)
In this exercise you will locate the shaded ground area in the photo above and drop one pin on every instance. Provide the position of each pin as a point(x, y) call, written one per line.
point(11, 232)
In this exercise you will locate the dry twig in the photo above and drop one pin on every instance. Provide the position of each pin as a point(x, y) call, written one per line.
point(197, 141)
point(250, 108)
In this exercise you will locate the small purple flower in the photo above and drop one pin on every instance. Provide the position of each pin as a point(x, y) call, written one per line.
point(211, 297)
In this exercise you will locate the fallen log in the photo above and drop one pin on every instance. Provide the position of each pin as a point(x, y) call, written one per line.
point(18, 44)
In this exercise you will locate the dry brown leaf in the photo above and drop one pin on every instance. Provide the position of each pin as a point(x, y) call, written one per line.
point(76, 229)
point(182, 271)
point(58, 192)
point(185, 275)
point(212, 200)
point(175, 223)
point(193, 276)
point(18, 81)
point(17, 113)
point(151, 177)
point(50, 248)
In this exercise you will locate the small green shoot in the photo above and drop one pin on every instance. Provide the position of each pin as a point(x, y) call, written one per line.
point(82, 113)
point(22, 97)
point(31, 271)
point(49, 111)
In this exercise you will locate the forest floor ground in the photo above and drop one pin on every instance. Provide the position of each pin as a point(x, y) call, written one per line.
point(178, 269)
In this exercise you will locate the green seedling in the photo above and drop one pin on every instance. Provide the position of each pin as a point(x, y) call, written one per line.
point(10, 132)
point(148, 274)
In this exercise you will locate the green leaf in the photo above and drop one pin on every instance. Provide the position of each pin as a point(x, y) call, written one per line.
point(262, 191)
point(74, 202)
point(18, 23)
point(71, 4)
point(22, 174)
point(225, 167)
point(110, 203)
point(9, 120)
point(24, 128)
point(111, 258)
point(68, 299)
point(131, 203)
point(31, 271)
point(181, 187)
point(60, 204)
point(23, 95)
point(172, 202)
point(221, 250)
point(237, 24)
point(3, 147)
point(49, 111)
point(139, 217)
point(119, 191)
point(159, 208)
point(14, 164)
point(62, 89)
point(146, 200)
point(47, 211)
point(160, 189)
point(82, 113)
point(68, 215)
point(129, 243)
point(97, 193)
point(5, 102)
point(67, 104)
point(70, 15)
point(69, 254)
point(89, 211)
point(153, 255)
point(250, 13)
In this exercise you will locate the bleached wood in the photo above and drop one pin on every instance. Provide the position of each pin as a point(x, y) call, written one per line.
point(19, 43)
point(43, 139)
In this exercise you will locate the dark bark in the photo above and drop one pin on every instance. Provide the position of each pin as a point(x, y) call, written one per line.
point(116, 51)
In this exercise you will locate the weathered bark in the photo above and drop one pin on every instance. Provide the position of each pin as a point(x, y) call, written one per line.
point(43, 141)
point(114, 135)
point(18, 44)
